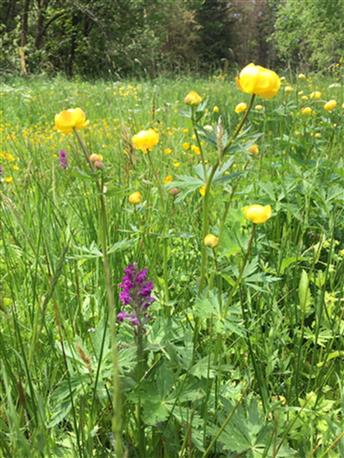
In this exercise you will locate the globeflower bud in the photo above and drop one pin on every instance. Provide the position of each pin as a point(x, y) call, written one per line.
point(240, 108)
point(307, 111)
point(288, 89)
point(315, 95)
point(193, 98)
point(257, 214)
point(135, 198)
point(211, 241)
point(253, 149)
point(254, 79)
point(330, 105)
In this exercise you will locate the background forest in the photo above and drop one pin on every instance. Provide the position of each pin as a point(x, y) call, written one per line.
point(105, 38)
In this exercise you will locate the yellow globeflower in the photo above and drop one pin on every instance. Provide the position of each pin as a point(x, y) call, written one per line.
point(254, 79)
point(8, 179)
point(315, 95)
point(67, 120)
point(216, 109)
point(288, 89)
point(259, 107)
point(301, 76)
point(241, 107)
point(253, 149)
point(257, 214)
point(195, 149)
point(307, 111)
point(135, 198)
point(168, 179)
point(330, 105)
point(304, 97)
point(193, 98)
point(145, 140)
point(211, 241)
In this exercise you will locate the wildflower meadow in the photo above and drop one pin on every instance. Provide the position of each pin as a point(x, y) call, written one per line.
point(172, 266)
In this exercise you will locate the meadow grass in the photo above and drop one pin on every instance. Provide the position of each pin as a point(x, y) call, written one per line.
point(242, 354)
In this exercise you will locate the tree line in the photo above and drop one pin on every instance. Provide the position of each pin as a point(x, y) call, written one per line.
point(96, 38)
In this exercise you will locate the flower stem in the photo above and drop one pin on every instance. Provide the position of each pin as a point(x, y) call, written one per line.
point(103, 235)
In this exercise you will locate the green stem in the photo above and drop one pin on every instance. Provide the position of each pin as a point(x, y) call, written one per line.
point(140, 374)
point(103, 234)
point(207, 190)
point(199, 144)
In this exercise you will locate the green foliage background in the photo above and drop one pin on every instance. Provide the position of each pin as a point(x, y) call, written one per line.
point(150, 37)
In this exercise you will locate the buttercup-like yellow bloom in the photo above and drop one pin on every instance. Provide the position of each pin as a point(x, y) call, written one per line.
point(201, 190)
point(315, 95)
point(186, 146)
point(193, 98)
point(253, 149)
point(257, 214)
point(307, 111)
point(241, 107)
point(254, 79)
point(8, 180)
point(145, 140)
point(195, 149)
point(67, 120)
point(168, 179)
point(135, 198)
point(330, 105)
point(176, 164)
point(211, 241)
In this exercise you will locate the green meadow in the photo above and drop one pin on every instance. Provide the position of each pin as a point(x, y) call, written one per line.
point(240, 353)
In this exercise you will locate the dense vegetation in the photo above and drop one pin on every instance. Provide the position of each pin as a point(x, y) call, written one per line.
point(242, 352)
point(107, 38)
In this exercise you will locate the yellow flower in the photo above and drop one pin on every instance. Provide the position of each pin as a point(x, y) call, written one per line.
point(241, 107)
point(186, 146)
point(330, 105)
point(176, 164)
point(216, 109)
point(259, 107)
point(201, 190)
point(288, 89)
point(211, 241)
point(254, 79)
point(307, 111)
point(300, 93)
point(195, 149)
point(317, 135)
point(301, 76)
point(193, 98)
point(8, 180)
point(168, 179)
point(145, 140)
point(304, 97)
point(168, 151)
point(67, 120)
point(257, 214)
point(315, 95)
point(135, 198)
point(253, 149)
